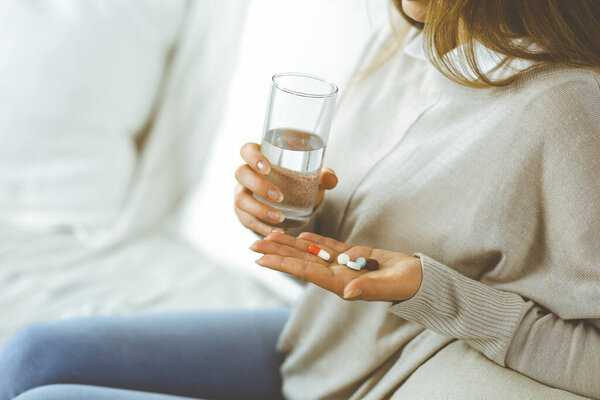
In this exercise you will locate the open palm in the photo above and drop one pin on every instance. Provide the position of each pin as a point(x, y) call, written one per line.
point(398, 277)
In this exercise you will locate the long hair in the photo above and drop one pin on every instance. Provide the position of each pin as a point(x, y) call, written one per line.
point(546, 32)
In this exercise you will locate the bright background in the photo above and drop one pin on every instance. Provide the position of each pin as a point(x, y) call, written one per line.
point(324, 38)
point(86, 223)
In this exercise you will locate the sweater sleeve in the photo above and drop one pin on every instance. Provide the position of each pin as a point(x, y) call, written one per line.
point(507, 329)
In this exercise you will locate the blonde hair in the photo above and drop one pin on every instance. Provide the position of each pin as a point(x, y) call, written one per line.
point(563, 32)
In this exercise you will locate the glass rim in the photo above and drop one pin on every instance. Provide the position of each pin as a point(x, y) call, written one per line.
point(333, 86)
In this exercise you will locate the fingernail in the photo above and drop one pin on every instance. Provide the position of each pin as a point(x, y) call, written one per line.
point(275, 195)
point(278, 230)
point(275, 216)
point(263, 167)
point(352, 293)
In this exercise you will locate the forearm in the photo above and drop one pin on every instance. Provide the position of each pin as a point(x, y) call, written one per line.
point(507, 329)
point(557, 352)
point(454, 305)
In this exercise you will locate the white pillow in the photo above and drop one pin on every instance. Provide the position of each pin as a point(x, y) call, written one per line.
point(77, 82)
point(324, 38)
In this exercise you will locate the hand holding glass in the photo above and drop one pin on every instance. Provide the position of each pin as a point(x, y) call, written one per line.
point(297, 123)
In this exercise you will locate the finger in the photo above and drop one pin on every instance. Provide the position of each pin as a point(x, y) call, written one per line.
point(299, 244)
point(246, 202)
point(359, 251)
point(316, 273)
point(250, 152)
point(272, 247)
point(257, 184)
point(320, 196)
point(253, 223)
point(339, 247)
point(328, 179)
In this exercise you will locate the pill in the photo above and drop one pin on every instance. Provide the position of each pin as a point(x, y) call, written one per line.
point(319, 252)
point(372, 264)
point(353, 265)
point(343, 259)
point(361, 261)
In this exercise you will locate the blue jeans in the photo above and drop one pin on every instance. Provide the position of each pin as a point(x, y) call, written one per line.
point(208, 354)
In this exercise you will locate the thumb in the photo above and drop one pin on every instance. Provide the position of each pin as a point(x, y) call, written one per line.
point(382, 285)
point(328, 179)
point(361, 288)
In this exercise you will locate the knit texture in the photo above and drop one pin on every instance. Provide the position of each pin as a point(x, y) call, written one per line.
point(487, 321)
point(498, 191)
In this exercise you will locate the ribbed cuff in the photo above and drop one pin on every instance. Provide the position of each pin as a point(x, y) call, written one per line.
point(456, 306)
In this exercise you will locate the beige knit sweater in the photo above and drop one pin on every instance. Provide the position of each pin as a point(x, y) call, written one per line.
point(499, 191)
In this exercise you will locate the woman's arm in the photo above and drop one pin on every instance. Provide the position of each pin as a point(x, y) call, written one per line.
point(503, 326)
point(559, 347)
point(507, 329)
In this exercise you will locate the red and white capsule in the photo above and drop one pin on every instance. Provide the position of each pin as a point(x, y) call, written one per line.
point(319, 252)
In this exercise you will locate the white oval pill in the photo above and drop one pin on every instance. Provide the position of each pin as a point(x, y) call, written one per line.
point(353, 265)
point(325, 255)
point(361, 261)
point(343, 259)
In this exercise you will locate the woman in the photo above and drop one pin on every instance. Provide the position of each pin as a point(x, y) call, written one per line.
point(475, 148)
point(493, 181)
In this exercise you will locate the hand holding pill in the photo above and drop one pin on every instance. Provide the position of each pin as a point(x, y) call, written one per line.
point(351, 272)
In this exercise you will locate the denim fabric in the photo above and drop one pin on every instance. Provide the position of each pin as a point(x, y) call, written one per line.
point(207, 354)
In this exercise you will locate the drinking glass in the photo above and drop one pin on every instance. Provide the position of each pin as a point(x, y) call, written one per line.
point(297, 123)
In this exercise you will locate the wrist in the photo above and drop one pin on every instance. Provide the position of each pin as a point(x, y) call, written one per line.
point(417, 268)
point(412, 279)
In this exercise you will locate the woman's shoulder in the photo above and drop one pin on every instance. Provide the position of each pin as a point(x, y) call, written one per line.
point(555, 117)
point(568, 89)
point(563, 117)
point(563, 100)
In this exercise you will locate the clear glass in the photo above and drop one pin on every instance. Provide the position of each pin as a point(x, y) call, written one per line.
point(297, 123)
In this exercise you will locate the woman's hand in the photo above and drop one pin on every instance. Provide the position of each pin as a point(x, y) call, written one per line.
point(253, 214)
point(398, 277)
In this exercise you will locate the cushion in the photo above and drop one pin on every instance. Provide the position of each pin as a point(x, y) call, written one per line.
point(77, 83)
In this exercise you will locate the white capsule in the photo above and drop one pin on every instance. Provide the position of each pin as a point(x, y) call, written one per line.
point(325, 255)
point(353, 265)
point(343, 259)
point(361, 261)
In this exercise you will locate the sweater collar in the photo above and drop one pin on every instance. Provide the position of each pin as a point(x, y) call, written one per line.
point(486, 58)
